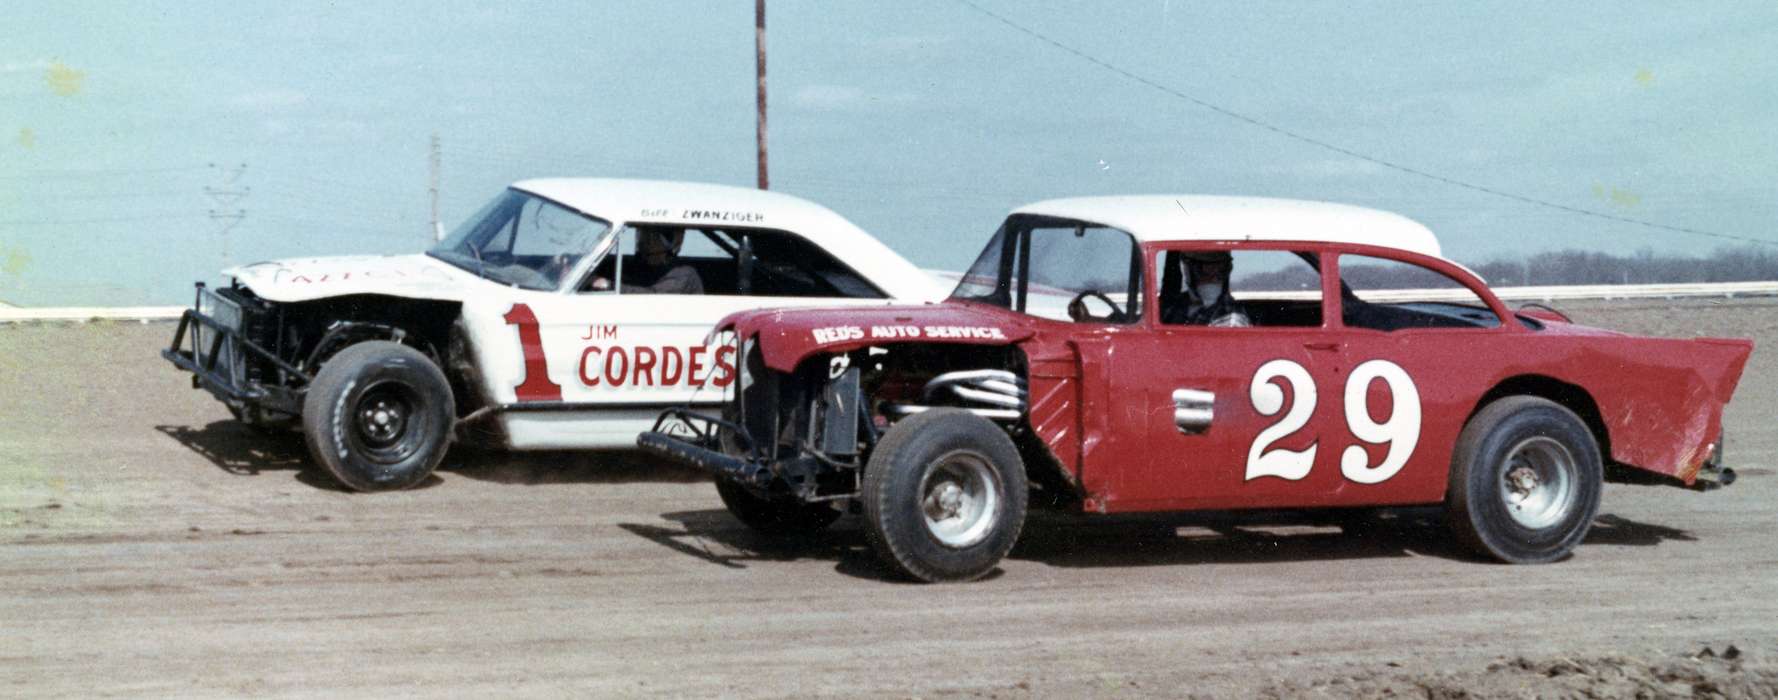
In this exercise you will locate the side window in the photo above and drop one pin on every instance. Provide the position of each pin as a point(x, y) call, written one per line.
point(700, 244)
point(787, 265)
point(1259, 288)
point(777, 263)
point(692, 251)
point(1390, 295)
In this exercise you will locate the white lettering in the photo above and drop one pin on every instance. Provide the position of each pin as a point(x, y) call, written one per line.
point(837, 334)
point(1401, 432)
point(971, 332)
point(894, 331)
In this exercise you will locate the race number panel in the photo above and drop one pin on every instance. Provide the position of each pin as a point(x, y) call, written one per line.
point(1400, 431)
point(1268, 399)
point(536, 385)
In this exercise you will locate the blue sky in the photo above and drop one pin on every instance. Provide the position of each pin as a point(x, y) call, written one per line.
point(923, 121)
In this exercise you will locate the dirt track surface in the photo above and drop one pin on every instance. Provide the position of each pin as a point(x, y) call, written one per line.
point(149, 546)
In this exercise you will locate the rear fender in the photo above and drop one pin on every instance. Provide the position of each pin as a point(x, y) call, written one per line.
point(1662, 400)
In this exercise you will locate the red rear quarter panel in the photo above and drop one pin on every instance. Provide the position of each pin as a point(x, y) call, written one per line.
point(1661, 399)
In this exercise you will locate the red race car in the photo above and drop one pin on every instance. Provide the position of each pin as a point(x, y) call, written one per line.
point(1188, 353)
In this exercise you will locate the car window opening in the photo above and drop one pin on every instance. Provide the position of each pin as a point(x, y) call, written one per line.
point(1390, 295)
point(729, 262)
point(1257, 288)
point(1058, 269)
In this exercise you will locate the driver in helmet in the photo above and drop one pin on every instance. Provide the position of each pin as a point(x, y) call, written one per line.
point(658, 270)
point(1208, 301)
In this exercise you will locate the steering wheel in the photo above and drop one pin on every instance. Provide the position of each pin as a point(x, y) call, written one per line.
point(1077, 308)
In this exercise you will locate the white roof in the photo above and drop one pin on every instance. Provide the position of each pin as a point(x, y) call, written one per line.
point(719, 206)
point(1154, 218)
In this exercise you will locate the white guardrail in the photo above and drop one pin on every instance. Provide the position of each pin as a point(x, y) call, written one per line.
point(82, 314)
point(1588, 291)
point(14, 314)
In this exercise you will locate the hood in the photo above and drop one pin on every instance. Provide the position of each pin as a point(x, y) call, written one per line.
point(787, 336)
point(415, 276)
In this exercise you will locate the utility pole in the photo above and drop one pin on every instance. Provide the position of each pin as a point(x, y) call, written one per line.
point(759, 47)
point(228, 197)
point(436, 164)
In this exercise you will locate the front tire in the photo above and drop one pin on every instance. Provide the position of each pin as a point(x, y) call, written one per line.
point(944, 496)
point(773, 517)
point(1525, 481)
point(378, 416)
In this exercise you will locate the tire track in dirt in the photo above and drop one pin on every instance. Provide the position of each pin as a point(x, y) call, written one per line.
point(150, 546)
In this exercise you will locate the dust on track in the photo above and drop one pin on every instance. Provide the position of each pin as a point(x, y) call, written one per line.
point(148, 545)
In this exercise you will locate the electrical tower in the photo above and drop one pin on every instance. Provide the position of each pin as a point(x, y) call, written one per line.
point(229, 197)
point(435, 163)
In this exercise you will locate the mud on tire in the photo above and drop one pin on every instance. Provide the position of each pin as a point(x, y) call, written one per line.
point(378, 416)
point(1525, 481)
point(944, 496)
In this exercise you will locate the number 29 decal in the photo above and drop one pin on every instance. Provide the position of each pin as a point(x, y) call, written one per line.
point(1401, 432)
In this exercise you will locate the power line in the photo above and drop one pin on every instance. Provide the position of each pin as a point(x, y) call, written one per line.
point(1304, 138)
point(87, 196)
point(343, 186)
point(392, 232)
point(574, 163)
point(102, 220)
point(103, 172)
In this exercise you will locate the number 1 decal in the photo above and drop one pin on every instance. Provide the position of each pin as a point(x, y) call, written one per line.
point(537, 385)
point(1401, 432)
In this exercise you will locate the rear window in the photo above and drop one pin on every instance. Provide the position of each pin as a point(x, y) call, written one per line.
point(1390, 295)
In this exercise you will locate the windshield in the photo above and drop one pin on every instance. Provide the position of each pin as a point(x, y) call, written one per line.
point(1040, 265)
point(523, 240)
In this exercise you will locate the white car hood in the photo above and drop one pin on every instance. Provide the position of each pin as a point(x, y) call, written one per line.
point(414, 276)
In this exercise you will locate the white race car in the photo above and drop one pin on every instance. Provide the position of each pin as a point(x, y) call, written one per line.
point(565, 314)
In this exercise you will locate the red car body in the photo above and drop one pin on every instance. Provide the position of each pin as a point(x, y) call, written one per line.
point(1096, 389)
point(1317, 396)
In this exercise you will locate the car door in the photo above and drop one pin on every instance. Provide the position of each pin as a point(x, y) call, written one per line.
point(1226, 417)
point(1422, 347)
point(628, 348)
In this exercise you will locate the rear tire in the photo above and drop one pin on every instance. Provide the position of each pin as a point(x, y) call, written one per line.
point(773, 517)
point(378, 416)
point(1525, 481)
point(944, 496)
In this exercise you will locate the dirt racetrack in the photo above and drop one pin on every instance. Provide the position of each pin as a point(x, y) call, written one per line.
point(149, 546)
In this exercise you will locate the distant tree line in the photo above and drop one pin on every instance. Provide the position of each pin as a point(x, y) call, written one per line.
point(1564, 267)
point(1748, 263)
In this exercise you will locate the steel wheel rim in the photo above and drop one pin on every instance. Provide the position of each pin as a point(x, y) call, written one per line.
point(1538, 487)
point(960, 499)
point(383, 421)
